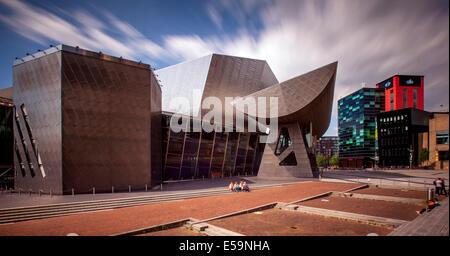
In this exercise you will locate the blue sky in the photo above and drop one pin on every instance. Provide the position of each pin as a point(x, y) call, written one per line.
point(372, 40)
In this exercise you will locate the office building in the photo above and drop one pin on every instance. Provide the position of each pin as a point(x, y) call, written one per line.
point(357, 127)
point(328, 146)
point(400, 136)
point(403, 91)
point(436, 141)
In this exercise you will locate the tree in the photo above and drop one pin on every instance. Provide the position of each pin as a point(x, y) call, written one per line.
point(321, 160)
point(423, 155)
point(334, 161)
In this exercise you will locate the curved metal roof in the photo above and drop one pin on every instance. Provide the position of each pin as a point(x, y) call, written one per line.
point(304, 99)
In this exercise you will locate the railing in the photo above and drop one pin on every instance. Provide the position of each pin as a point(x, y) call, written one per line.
point(6, 171)
point(107, 190)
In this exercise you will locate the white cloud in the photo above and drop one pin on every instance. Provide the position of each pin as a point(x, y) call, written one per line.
point(87, 32)
point(214, 15)
point(372, 40)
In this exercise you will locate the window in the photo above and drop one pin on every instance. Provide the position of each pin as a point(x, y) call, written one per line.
point(405, 98)
point(443, 155)
point(290, 160)
point(284, 141)
point(442, 137)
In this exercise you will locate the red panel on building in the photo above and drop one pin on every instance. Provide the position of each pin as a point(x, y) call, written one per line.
point(403, 91)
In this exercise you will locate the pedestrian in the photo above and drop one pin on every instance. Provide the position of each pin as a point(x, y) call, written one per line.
point(245, 187)
point(430, 206)
point(235, 187)
point(230, 187)
point(437, 186)
point(443, 189)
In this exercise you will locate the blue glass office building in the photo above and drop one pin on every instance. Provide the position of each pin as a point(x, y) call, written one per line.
point(357, 127)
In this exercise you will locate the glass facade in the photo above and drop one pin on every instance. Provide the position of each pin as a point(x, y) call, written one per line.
point(398, 136)
point(7, 143)
point(357, 125)
point(193, 155)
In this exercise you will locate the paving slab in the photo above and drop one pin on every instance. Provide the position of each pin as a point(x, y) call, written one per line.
point(386, 209)
point(346, 215)
point(380, 198)
point(276, 222)
point(137, 217)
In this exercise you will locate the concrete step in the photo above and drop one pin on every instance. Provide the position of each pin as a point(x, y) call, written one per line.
point(346, 215)
point(433, 223)
point(381, 198)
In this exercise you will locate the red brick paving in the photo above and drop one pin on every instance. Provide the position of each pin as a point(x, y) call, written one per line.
point(296, 224)
point(136, 217)
point(393, 210)
point(393, 192)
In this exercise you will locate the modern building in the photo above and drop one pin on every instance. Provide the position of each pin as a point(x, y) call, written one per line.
point(403, 91)
point(85, 120)
point(357, 127)
point(328, 146)
point(436, 141)
point(6, 138)
point(400, 136)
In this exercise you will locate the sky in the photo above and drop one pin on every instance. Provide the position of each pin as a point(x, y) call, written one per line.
point(371, 40)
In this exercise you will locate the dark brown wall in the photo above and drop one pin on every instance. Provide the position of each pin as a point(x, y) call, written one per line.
point(156, 133)
point(93, 117)
point(37, 85)
point(106, 124)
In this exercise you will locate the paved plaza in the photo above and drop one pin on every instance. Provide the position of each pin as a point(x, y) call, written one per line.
point(344, 202)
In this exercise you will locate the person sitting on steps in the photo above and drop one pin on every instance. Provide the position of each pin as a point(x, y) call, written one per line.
point(433, 203)
point(245, 187)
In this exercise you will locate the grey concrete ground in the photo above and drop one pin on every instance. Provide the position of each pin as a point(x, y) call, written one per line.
point(417, 179)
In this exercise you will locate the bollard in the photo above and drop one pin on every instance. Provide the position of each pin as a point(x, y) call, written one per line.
point(93, 191)
point(145, 187)
point(129, 188)
point(73, 192)
point(112, 189)
point(430, 194)
point(161, 186)
point(39, 192)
